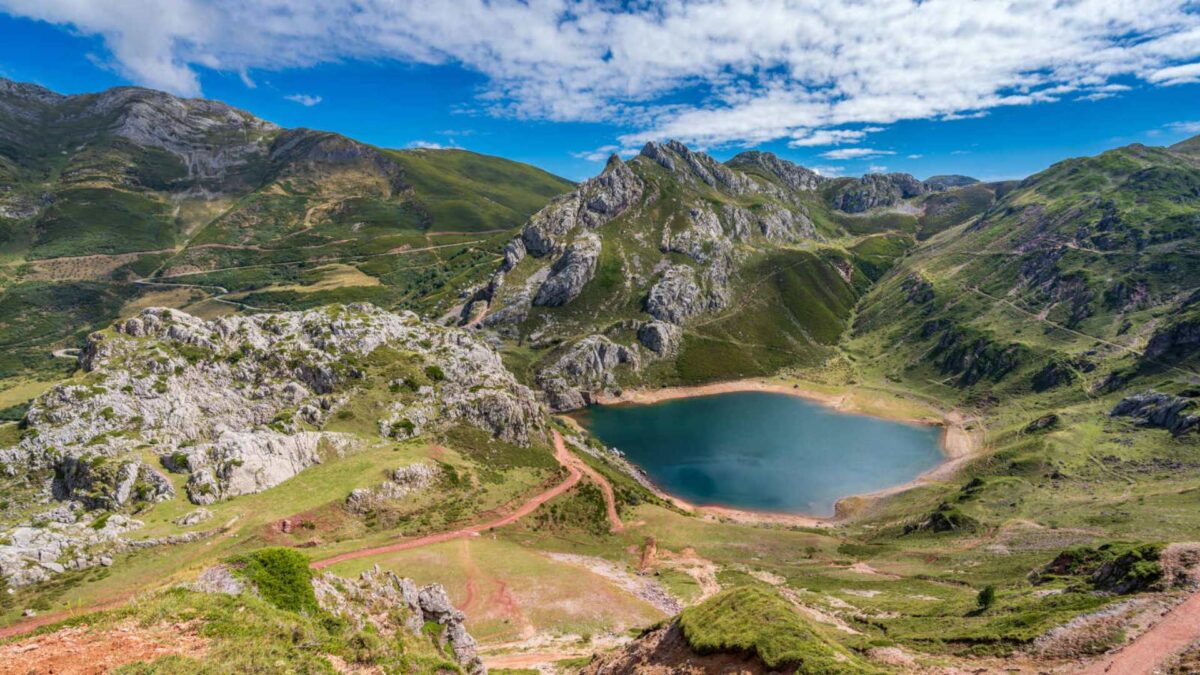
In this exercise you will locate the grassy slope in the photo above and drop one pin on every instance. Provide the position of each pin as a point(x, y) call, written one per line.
point(271, 234)
point(1088, 479)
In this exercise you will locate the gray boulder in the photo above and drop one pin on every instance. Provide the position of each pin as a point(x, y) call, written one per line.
point(660, 337)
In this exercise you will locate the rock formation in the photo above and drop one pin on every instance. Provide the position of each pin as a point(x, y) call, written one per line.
point(1156, 409)
point(390, 603)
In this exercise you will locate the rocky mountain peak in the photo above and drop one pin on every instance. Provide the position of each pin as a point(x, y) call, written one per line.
point(28, 92)
point(790, 174)
point(694, 166)
point(876, 190)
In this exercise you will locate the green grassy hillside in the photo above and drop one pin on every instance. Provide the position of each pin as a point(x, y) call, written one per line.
point(130, 197)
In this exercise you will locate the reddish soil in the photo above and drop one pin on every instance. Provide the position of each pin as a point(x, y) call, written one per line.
point(1178, 628)
point(610, 499)
point(79, 650)
point(564, 457)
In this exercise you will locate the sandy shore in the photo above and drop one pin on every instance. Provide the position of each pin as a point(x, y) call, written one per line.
point(961, 441)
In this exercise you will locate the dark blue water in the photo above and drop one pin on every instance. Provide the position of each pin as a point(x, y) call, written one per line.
point(757, 450)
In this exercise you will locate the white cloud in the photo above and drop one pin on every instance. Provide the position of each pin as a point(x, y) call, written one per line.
point(1191, 127)
point(305, 100)
point(710, 72)
point(828, 171)
point(914, 156)
point(425, 145)
point(1184, 74)
point(855, 153)
point(810, 137)
point(877, 168)
point(600, 154)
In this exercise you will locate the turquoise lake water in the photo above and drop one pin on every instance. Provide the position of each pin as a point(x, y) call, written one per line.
point(758, 450)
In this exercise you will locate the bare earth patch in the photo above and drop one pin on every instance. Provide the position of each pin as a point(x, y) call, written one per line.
point(80, 650)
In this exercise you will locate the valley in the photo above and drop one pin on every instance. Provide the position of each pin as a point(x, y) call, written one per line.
point(283, 354)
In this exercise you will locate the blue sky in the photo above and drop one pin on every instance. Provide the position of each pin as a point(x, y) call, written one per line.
point(560, 84)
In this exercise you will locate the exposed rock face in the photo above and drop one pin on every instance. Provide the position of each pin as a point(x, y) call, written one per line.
point(194, 517)
point(65, 539)
point(792, 175)
point(876, 190)
point(390, 603)
point(570, 272)
point(217, 146)
point(594, 203)
point(110, 485)
point(1178, 340)
point(403, 482)
point(185, 128)
point(974, 357)
point(586, 367)
point(698, 167)
point(242, 463)
point(514, 252)
point(676, 296)
point(226, 399)
point(298, 152)
point(1159, 410)
point(917, 289)
point(660, 337)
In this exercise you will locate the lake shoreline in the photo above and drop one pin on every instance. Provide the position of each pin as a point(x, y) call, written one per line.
point(959, 443)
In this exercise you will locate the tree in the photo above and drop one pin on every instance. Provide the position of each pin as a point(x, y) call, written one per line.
point(986, 598)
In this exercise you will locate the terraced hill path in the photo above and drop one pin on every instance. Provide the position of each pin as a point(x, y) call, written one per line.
point(576, 469)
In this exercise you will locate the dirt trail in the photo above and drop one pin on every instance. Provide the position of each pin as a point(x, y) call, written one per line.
point(564, 457)
point(1172, 634)
point(610, 498)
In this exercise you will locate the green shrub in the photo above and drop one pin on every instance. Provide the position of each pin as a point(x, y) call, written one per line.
point(282, 577)
point(986, 598)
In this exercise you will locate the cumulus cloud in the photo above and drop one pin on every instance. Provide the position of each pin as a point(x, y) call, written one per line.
point(425, 145)
point(855, 153)
point(707, 71)
point(306, 100)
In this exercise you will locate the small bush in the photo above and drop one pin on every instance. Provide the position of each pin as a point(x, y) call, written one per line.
point(986, 598)
point(282, 577)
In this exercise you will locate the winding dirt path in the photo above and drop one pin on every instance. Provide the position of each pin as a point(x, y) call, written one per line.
point(564, 457)
point(610, 498)
point(1172, 634)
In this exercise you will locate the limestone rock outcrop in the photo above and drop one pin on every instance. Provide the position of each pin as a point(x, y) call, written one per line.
point(587, 366)
point(390, 603)
point(876, 190)
point(1159, 410)
point(239, 402)
point(570, 272)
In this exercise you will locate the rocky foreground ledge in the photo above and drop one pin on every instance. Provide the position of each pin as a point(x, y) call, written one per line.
point(237, 405)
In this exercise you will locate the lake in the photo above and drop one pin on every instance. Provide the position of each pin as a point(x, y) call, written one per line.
point(764, 451)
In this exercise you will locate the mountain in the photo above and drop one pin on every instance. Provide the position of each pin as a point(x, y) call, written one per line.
point(298, 417)
point(128, 197)
point(676, 268)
